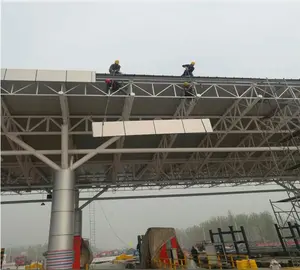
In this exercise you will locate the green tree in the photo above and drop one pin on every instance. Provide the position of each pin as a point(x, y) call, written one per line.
point(258, 227)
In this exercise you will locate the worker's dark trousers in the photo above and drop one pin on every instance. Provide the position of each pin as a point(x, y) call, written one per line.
point(187, 74)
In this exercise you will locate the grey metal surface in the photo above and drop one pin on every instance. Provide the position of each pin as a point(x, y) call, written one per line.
point(61, 231)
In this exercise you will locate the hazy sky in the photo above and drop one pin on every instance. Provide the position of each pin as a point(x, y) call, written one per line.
point(225, 38)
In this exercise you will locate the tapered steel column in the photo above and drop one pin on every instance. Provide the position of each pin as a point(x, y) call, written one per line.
point(61, 233)
point(78, 216)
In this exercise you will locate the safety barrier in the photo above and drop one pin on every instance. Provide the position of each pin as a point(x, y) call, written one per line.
point(233, 258)
point(170, 264)
point(236, 261)
point(246, 264)
point(34, 266)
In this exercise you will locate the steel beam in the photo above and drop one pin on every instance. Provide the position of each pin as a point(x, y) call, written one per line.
point(138, 162)
point(155, 196)
point(101, 150)
point(93, 198)
point(99, 180)
point(209, 88)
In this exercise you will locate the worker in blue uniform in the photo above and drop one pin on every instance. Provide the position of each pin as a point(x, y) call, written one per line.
point(189, 68)
point(115, 68)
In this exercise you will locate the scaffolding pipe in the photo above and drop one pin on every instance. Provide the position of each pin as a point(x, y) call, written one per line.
point(100, 150)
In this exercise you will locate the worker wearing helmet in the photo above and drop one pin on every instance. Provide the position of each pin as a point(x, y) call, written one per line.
point(112, 85)
point(188, 89)
point(115, 68)
point(189, 68)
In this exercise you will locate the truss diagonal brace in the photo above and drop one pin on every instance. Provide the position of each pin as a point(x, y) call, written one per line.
point(93, 153)
point(128, 103)
point(265, 139)
point(93, 198)
point(184, 109)
point(6, 112)
point(237, 114)
point(64, 108)
point(33, 152)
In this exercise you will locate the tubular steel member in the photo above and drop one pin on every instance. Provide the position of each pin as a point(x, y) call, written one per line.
point(77, 231)
point(61, 233)
point(78, 216)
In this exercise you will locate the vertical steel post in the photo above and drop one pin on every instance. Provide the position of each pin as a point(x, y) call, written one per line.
point(211, 235)
point(77, 231)
point(235, 243)
point(245, 240)
point(64, 146)
point(294, 237)
point(61, 232)
point(78, 216)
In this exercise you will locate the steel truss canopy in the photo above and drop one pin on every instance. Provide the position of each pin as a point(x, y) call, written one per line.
point(253, 136)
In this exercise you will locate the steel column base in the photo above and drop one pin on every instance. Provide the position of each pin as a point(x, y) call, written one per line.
point(61, 233)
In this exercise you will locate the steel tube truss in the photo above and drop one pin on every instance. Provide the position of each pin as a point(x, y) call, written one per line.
point(127, 107)
point(204, 88)
point(183, 110)
point(237, 110)
point(31, 125)
point(240, 150)
point(29, 171)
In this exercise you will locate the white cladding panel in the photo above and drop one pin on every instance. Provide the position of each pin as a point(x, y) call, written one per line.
point(3, 71)
point(51, 75)
point(168, 126)
point(193, 126)
point(139, 128)
point(207, 125)
point(111, 129)
point(80, 76)
point(150, 127)
point(20, 74)
point(97, 128)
